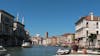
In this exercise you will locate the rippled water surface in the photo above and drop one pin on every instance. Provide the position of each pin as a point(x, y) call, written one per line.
point(34, 51)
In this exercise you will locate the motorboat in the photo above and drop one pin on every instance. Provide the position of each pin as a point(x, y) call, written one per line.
point(63, 51)
point(26, 45)
point(3, 51)
point(79, 53)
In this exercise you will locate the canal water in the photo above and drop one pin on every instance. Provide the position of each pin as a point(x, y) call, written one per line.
point(34, 51)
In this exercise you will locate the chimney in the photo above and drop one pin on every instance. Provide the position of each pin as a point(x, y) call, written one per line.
point(91, 14)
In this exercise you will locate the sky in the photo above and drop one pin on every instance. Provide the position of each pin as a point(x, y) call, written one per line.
point(53, 16)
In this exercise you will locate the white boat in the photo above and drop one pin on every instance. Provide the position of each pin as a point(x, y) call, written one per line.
point(26, 44)
point(3, 51)
point(79, 53)
point(63, 51)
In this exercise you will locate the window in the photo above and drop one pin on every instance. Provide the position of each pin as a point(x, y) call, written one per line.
point(97, 25)
point(97, 32)
point(99, 42)
point(86, 24)
point(87, 33)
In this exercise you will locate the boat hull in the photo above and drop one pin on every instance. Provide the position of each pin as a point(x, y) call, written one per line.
point(26, 46)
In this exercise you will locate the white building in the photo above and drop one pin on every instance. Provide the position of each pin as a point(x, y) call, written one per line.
point(85, 26)
point(44, 42)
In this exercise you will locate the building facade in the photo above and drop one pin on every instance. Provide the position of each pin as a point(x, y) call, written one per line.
point(85, 26)
point(6, 28)
point(70, 38)
point(19, 32)
point(12, 32)
point(53, 41)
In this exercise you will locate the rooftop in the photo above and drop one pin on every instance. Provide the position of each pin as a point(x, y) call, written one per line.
point(88, 18)
point(7, 13)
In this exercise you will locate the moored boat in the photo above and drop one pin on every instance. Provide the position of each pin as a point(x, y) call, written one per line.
point(26, 45)
point(63, 51)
